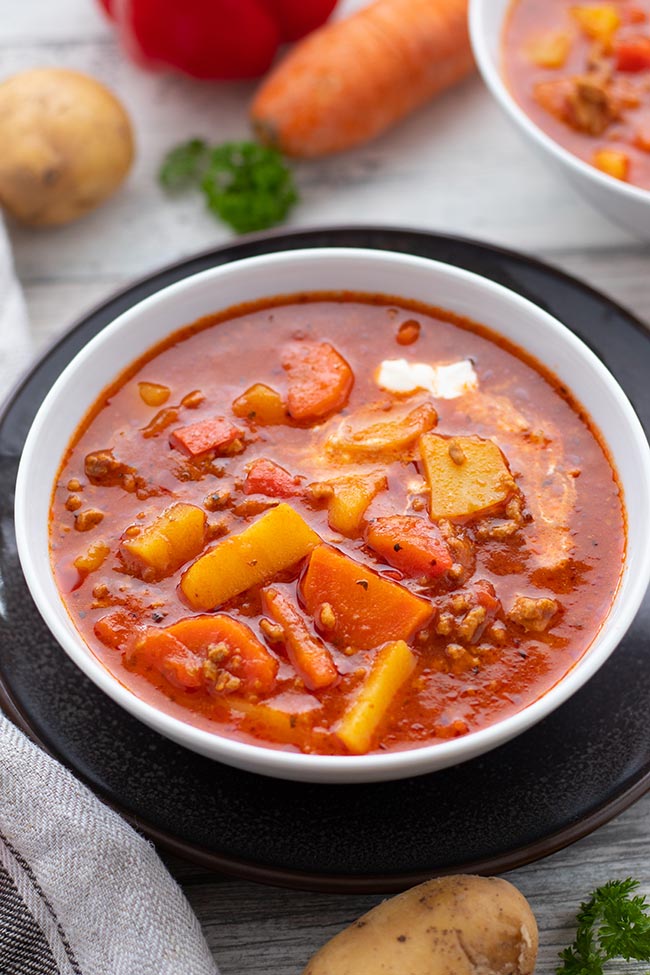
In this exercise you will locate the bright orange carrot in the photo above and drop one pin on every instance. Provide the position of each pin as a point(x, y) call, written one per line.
point(351, 80)
point(309, 656)
point(365, 609)
point(319, 380)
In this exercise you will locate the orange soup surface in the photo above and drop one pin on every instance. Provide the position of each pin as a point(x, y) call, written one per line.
point(581, 71)
point(337, 524)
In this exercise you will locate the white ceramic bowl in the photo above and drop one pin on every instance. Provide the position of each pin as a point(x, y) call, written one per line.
point(134, 332)
point(623, 203)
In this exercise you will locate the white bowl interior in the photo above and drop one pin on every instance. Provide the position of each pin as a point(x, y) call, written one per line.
point(134, 332)
point(624, 203)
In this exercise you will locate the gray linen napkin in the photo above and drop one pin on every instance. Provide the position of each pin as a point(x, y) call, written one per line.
point(81, 893)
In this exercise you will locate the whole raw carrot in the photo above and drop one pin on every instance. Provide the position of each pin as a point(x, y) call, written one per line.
point(351, 80)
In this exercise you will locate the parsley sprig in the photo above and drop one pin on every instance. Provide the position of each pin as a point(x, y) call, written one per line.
point(613, 923)
point(247, 185)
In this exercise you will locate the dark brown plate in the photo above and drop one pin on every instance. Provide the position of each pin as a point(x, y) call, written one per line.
point(552, 785)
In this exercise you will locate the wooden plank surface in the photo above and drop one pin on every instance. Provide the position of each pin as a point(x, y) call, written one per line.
point(455, 166)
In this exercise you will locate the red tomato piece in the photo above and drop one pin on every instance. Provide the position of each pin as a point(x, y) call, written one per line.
point(298, 17)
point(267, 477)
point(319, 380)
point(633, 54)
point(204, 436)
point(412, 544)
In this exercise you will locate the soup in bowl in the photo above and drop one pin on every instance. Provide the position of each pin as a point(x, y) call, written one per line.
point(343, 533)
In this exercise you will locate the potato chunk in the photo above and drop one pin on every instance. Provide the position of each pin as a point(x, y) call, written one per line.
point(459, 925)
point(550, 49)
point(274, 542)
point(384, 439)
point(349, 498)
point(367, 609)
point(467, 476)
point(262, 405)
point(599, 23)
point(613, 162)
point(390, 669)
point(174, 537)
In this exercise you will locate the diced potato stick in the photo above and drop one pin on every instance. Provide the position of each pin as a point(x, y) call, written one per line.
point(174, 537)
point(350, 497)
point(549, 50)
point(257, 667)
point(204, 436)
point(391, 668)
point(309, 656)
point(93, 558)
point(598, 22)
point(385, 439)
point(613, 162)
point(261, 404)
point(368, 609)
point(319, 380)
point(411, 544)
point(476, 481)
point(271, 723)
point(276, 541)
point(153, 394)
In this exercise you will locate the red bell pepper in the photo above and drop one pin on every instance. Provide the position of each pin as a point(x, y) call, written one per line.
point(213, 39)
point(633, 54)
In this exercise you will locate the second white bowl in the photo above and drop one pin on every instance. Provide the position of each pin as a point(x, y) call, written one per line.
point(623, 203)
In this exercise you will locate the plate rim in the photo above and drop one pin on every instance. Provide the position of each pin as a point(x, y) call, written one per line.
point(224, 864)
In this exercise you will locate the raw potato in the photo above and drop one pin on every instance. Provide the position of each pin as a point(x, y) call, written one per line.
point(451, 926)
point(66, 143)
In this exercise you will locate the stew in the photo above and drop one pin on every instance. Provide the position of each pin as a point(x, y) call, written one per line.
point(338, 524)
point(581, 71)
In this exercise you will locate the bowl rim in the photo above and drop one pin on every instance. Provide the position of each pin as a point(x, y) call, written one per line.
point(493, 77)
point(285, 764)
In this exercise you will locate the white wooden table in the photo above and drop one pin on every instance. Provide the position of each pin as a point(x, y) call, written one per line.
point(456, 166)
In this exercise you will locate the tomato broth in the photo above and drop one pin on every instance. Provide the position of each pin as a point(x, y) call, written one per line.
point(337, 524)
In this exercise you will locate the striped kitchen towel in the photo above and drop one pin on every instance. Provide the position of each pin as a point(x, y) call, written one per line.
point(81, 893)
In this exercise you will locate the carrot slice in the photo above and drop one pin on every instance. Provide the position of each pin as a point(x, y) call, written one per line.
point(308, 655)
point(204, 436)
point(160, 650)
point(351, 80)
point(242, 653)
point(319, 380)
point(367, 609)
point(411, 544)
point(266, 477)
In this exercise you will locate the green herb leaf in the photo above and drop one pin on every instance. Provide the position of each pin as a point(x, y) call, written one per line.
point(611, 924)
point(184, 166)
point(248, 186)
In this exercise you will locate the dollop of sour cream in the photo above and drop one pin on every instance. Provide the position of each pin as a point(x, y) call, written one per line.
point(443, 382)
